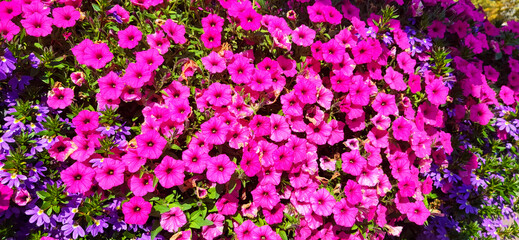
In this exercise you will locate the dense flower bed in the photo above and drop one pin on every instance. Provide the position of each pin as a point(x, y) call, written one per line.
point(257, 120)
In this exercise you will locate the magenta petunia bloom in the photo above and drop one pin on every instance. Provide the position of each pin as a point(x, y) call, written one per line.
point(85, 147)
point(260, 80)
point(407, 186)
point(212, 38)
point(78, 178)
point(214, 63)
point(265, 196)
point(264, 233)
point(322, 202)
point(480, 113)
point(288, 66)
point(65, 17)
point(250, 20)
point(61, 149)
point(170, 172)
point(10, 9)
point(220, 169)
point(173, 220)
point(385, 104)
point(316, 12)
point(437, 92)
point(129, 37)
point(212, 21)
point(369, 176)
point(219, 94)
point(8, 29)
point(111, 174)
point(436, 29)
point(150, 144)
point(175, 31)
point(343, 214)
point(245, 230)
point(227, 204)
point(136, 211)
point(359, 92)
point(86, 121)
point(214, 131)
point(405, 62)
point(60, 98)
point(158, 41)
point(120, 14)
point(318, 133)
point(111, 85)
point(395, 79)
point(333, 52)
point(305, 90)
point(280, 130)
point(507, 95)
point(137, 74)
point(402, 129)
point(378, 138)
point(97, 55)
point(303, 36)
point(274, 215)
point(353, 162)
point(417, 212)
point(5, 196)
point(240, 70)
point(37, 25)
point(141, 186)
point(353, 192)
point(250, 163)
point(195, 159)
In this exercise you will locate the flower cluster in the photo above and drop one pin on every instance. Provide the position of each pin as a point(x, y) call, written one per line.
point(284, 120)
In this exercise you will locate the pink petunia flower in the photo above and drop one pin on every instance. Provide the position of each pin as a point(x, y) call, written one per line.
point(436, 92)
point(111, 174)
point(227, 204)
point(10, 9)
point(405, 62)
point(245, 230)
point(306, 90)
point(480, 113)
point(212, 21)
point(220, 169)
point(264, 233)
point(359, 92)
point(280, 130)
point(65, 17)
point(322, 202)
point(195, 159)
point(129, 37)
point(219, 94)
point(78, 178)
point(318, 133)
point(402, 129)
point(97, 55)
point(240, 70)
point(333, 52)
point(343, 214)
point(303, 36)
point(158, 41)
point(214, 63)
point(417, 212)
point(136, 211)
point(60, 98)
point(137, 75)
point(407, 186)
point(437, 29)
point(150, 144)
point(385, 104)
point(174, 31)
point(61, 149)
point(86, 121)
point(5, 196)
point(265, 196)
point(250, 20)
point(353, 162)
point(507, 95)
point(214, 131)
point(395, 79)
point(212, 38)
point(141, 186)
point(8, 29)
point(173, 220)
point(170, 172)
point(353, 192)
point(111, 85)
point(37, 25)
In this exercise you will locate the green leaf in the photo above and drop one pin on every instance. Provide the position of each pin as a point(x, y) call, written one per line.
point(96, 7)
point(43, 194)
point(161, 208)
point(176, 147)
point(155, 232)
